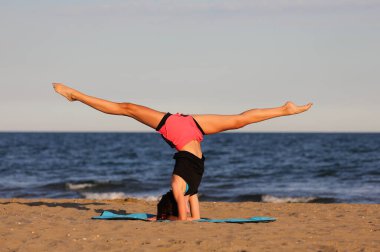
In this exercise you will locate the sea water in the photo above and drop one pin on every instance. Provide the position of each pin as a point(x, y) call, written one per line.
point(264, 167)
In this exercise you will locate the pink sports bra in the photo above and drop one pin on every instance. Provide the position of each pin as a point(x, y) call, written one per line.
point(178, 130)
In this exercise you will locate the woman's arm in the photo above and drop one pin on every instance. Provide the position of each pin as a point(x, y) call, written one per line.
point(194, 207)
point(178, 187)
point(181, 203)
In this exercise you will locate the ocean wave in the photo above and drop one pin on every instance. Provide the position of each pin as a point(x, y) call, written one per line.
point(117, 195)
point(103, 196)
point(274, 199)
point(79, 186)
point(266, 198)
point(102, 185)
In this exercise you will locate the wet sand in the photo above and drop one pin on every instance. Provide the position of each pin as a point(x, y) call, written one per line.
point(66, 225)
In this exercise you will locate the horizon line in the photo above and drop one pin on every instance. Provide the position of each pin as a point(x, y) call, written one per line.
point(227, 132)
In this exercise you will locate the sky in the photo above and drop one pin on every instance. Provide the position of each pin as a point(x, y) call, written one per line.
point(220, 57)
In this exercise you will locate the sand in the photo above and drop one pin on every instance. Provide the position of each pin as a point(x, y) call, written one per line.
point(66, 225)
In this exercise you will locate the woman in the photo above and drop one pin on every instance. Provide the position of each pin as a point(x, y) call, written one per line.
point(185, 133)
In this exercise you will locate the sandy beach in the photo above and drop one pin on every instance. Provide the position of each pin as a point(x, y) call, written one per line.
point(66, 225)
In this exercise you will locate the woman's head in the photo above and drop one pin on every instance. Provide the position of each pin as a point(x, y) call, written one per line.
point(167, 206)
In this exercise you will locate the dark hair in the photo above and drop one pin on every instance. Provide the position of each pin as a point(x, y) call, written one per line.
point(167, 206)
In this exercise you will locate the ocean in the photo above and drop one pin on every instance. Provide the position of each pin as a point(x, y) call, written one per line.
point(261, 167)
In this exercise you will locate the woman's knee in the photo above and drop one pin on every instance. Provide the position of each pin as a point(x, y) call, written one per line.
point(128, 108)
point(239, 121)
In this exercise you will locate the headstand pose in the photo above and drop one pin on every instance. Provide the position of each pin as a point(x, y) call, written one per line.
point(185, 134)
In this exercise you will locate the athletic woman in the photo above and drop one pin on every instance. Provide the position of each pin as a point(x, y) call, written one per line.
point(185, 134)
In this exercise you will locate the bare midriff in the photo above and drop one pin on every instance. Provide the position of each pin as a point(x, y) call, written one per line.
point(193, 147)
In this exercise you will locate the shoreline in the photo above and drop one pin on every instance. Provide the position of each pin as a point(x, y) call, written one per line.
point(66, 225)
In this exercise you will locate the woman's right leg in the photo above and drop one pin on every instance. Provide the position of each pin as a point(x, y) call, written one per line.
point(212, 124)
point(145, 115)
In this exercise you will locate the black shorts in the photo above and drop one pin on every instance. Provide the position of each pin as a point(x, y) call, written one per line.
point(190, 168)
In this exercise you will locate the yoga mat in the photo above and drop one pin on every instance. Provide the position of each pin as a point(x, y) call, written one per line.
point(107, 215)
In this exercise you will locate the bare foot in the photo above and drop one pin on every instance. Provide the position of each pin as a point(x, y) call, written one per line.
point(64, 91)
point(291, 108)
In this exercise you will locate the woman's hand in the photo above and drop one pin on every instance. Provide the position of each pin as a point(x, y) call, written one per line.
point(152, 218)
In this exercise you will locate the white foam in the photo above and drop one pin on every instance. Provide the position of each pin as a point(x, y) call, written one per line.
point(118, 195)
point(273, 199)
point(149, 198)
point(73, 186)
point(103, 196)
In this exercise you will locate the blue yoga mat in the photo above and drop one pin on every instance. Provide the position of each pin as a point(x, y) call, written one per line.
point(107, 215)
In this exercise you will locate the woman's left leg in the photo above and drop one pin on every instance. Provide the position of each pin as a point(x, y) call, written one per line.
point(212, 124)
point(145, 115)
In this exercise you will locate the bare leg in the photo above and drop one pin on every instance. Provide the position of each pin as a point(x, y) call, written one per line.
point(142, 114)
point(212, 124)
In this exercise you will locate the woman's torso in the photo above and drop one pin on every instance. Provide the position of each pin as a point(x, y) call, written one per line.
point(182, 132)
point(193, 147)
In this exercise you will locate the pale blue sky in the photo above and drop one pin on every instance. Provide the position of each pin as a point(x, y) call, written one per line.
point(191, 57)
